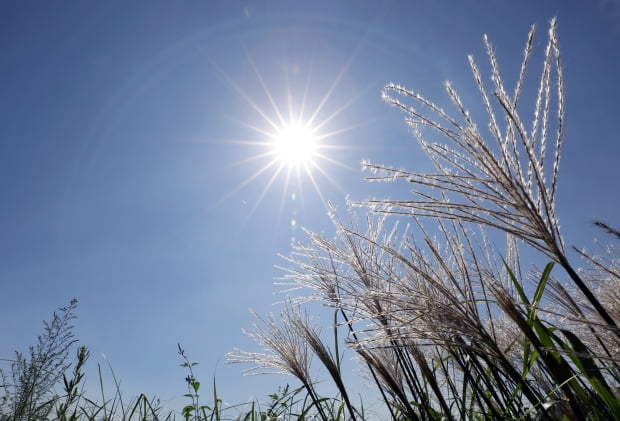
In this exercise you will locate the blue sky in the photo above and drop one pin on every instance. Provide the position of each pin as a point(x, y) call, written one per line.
point(130, 174)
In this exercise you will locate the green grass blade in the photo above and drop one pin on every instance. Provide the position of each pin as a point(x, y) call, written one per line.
point(580, 356)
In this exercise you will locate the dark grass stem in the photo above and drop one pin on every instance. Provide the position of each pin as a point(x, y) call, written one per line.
point(589, 295)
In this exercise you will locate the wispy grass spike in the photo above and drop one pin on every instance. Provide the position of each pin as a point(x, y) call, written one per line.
point(481, 181)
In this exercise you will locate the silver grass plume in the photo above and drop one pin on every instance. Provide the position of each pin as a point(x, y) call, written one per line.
point(284, 351)
point(502, 183)
point(507, 183)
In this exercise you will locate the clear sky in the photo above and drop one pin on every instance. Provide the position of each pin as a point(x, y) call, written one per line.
point(135, 173)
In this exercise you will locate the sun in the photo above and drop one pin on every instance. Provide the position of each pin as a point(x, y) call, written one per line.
point(295, 145)
point(295, 137)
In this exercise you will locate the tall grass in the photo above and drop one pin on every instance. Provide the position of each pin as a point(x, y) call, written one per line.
point(447, 327)
point(49, 384)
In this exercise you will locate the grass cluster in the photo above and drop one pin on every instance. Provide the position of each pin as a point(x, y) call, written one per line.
point(447, 326)
point(48, 384)
point(444, 326)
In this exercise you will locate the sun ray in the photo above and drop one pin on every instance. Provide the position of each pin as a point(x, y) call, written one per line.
point(264, 191)
point(265, 89)
point(331, 180)
point(258, 201)
point(242, 142)
point(334, 84)
point(342, 108)
point(251, 158)
point(247, 181)
point(334, 161)
point(339, 131)
point(316, 186)
point(304, 96)
point(289, 95)
point(253, 127)
point(246, 97)
point(293, 136)
point(287, 180)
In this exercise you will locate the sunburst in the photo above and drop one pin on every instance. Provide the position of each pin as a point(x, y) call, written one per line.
point(294, 146)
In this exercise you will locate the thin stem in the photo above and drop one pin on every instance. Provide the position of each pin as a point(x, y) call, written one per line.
point(588, 293)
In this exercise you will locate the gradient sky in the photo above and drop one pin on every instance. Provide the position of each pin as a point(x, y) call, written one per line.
point(129, 179)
